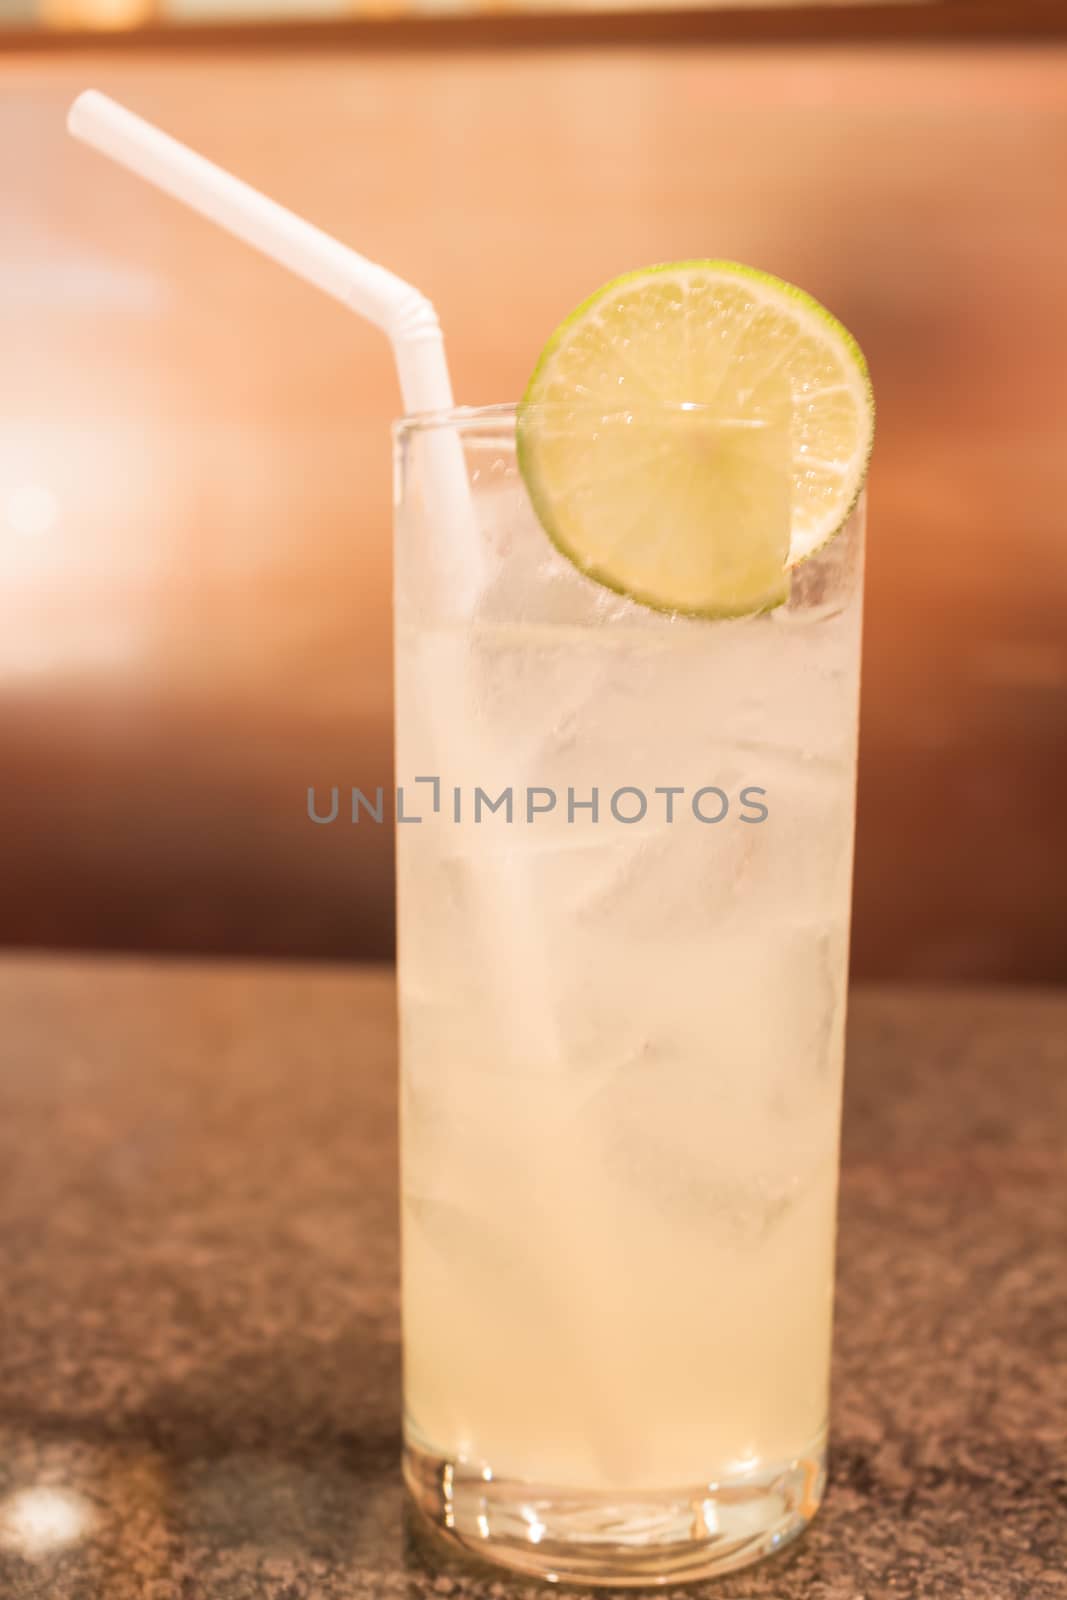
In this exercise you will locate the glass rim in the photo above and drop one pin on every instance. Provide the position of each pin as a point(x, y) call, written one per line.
point(502, 414)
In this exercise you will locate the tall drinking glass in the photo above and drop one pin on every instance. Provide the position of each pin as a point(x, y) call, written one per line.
point(625, 857)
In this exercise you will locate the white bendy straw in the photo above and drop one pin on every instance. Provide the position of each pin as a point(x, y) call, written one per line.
point(400, 310)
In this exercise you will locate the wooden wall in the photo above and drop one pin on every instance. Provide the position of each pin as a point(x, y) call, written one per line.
point(194, 458)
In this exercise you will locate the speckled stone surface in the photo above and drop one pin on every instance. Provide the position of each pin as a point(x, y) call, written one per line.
point(199, 1372)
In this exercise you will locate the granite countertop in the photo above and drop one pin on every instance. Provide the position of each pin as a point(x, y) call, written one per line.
point(199, 1369)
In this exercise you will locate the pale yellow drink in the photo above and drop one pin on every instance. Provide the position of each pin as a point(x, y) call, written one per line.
point(622, 1041)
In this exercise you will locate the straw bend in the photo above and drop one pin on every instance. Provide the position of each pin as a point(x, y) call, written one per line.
point(399, 309)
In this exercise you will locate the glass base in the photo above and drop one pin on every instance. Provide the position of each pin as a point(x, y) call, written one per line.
point(626, 1540)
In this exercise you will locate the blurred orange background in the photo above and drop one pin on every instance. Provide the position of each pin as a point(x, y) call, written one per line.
point(195, 472)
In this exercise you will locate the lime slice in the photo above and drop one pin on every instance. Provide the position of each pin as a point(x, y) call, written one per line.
point(694, 430)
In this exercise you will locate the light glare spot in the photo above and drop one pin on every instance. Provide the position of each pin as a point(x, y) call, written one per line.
point(31, 510)
point(535, 1527)
point(34, 1521)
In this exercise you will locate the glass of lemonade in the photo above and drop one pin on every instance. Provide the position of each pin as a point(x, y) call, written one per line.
point(623, 956)
point(627, 672)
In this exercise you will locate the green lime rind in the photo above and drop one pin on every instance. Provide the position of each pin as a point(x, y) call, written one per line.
point(831, 334)
point(781, 287)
